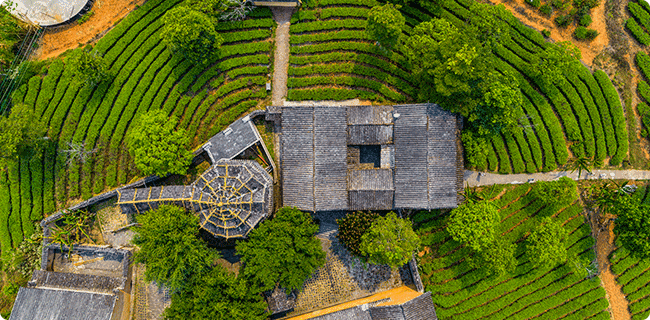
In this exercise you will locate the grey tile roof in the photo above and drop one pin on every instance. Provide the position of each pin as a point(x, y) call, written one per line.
point(421, 151)
point(48, 304)
point(411, 157)
point(298, 157)
point(74, 281)
point(370, 134)
point(232, 141)
point(330, 152)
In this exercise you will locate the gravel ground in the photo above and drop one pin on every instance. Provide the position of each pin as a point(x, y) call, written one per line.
point(281, 63)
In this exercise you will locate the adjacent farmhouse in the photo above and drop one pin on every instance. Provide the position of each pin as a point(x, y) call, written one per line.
point(370, 157)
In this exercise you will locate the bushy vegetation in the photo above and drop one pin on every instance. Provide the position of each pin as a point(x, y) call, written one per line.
point(282, 251)
point(12, 32)
point(352, 227)
point(639, 23)
point(464, 290)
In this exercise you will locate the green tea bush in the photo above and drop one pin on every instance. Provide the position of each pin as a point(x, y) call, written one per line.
point(583, 33)
point(640, 14)
point(563, 21)
point(618, 118)
point(585, 20)
point(639, 34)
point(546, 9)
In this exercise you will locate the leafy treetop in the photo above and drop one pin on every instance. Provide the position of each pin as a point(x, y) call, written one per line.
point(390, 240)
point(632, 223)
point(282, 251)
point(156, 147)
point(190, 33)
point(385, 24)
point(474, 224)
point(170, 248)
point(216, 295)
point(21, 132)
point(546, 245)
point(555, 193)
point(88, 66)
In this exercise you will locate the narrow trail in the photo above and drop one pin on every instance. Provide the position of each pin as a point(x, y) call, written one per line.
point(282, 16)
point(475, 178)
point(617, 302)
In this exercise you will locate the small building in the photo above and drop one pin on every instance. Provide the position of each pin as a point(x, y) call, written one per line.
point(370, 157)
point(277, 3)
point(231, 198)
point(92, 286)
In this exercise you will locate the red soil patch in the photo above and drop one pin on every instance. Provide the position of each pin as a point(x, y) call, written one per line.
point(107, 14)
point(534, 18)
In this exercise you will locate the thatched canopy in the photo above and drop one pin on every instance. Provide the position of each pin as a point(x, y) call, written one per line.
point(231, 197)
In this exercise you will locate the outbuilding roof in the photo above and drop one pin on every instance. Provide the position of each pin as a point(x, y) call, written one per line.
point(50, 304)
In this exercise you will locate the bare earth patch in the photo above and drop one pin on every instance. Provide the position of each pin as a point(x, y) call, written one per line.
point(107, 13)
point(534, 18)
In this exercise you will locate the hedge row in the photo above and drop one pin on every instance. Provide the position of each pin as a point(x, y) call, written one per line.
point(344, 12)
point(632, 274)
point(349, 81)
point(329, 36)
point(640, 14)
point(603, 109)
point(15, 221)
point(594, 116)
point(643, 62)
point(351, 68)
point(639, 34)
point(346, 24)
point(330, 94)
point(618, 116)
point(389, 67)
point(550, 294)
point(5, 212)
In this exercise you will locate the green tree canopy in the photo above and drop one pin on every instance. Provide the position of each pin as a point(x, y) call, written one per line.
point(88, 66)
point(495, 259)
point(170, 247)
point(557, 60)
point(353, 226)
point(385, 24)
point(190, 33)
point(12, 32)
point(216, 295)
point(632, 224)
point(282, 251)
point(474, 224)
point(390, 240)
point(555, 193)
point(212, 8)
point(20, 132)
point(546, 245)
point(156, 147)
point(454, 68)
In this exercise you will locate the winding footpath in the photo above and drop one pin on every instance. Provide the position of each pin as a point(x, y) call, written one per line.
point(475, 178)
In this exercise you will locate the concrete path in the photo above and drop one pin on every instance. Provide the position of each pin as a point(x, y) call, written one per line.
point(282, 16)
point(472, 178)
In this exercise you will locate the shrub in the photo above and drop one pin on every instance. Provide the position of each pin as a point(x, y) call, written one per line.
point(534, 3)
point(560, 4)
point(557, 194)
point(563, 21)
point(353, 226)
point(638, 33)
point(86, 17)
point(585, 20)
point(583, 33)
point(546, 9)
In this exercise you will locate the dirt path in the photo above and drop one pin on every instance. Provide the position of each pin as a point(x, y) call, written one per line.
point(533, 17)
point(106, 14)
point(281, 57)
point(617, 302)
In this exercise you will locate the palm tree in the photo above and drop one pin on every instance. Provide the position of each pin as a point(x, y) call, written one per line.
point(580, 164)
